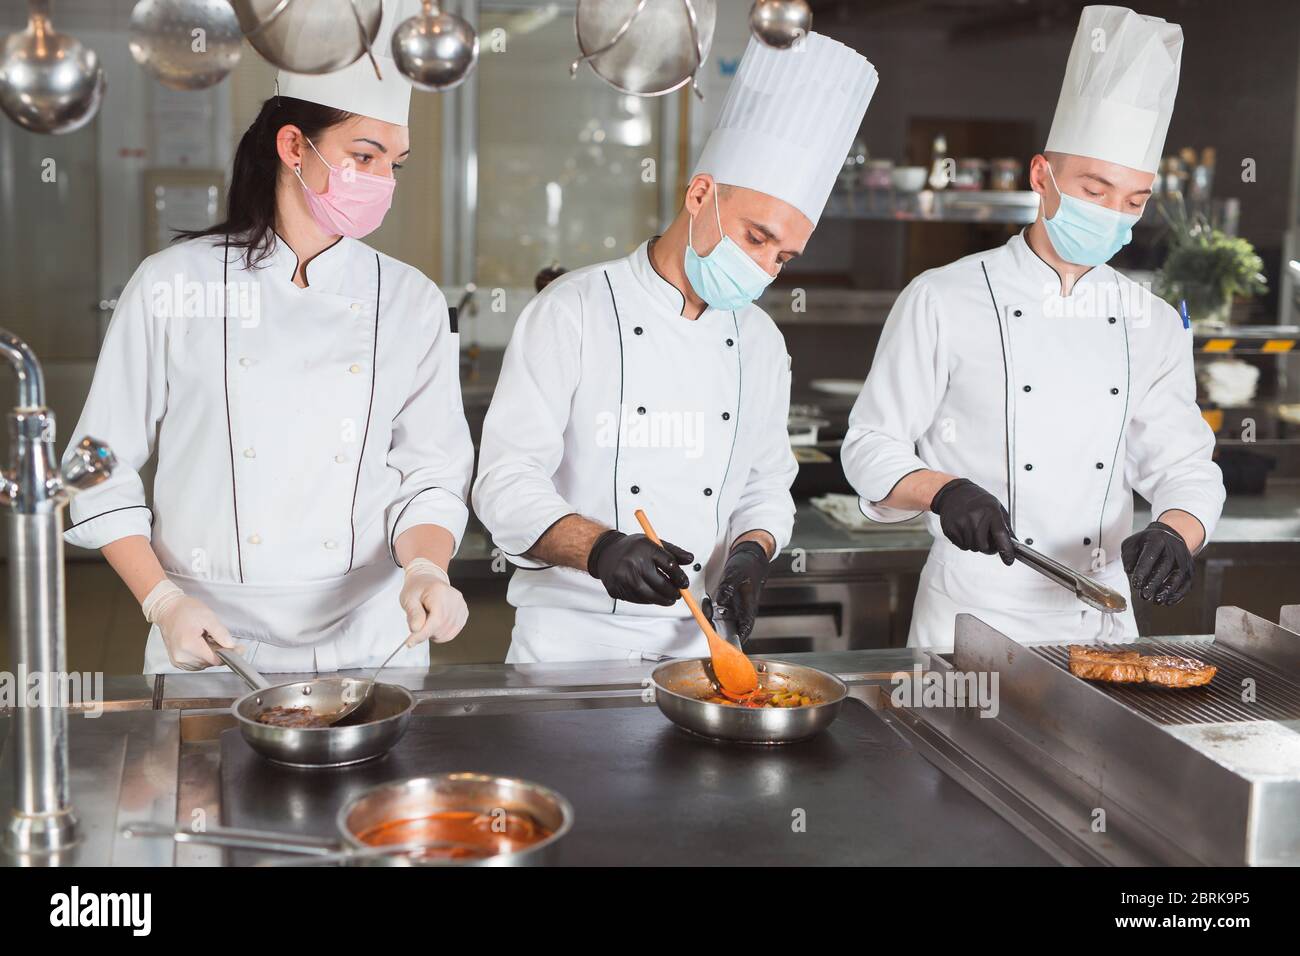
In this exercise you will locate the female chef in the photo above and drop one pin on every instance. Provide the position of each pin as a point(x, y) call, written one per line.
point(1033, 388)
point(302, 393)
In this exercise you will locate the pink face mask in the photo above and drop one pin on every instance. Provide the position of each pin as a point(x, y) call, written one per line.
point(353, 203)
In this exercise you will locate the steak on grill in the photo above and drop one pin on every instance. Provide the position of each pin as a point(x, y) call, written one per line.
point(1130, 667)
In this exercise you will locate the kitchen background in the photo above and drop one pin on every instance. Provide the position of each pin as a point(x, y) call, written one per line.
point(523, 167)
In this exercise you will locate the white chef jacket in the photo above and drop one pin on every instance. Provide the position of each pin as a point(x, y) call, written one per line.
point(610, 400)
point(1060, 406)
point(298, 432)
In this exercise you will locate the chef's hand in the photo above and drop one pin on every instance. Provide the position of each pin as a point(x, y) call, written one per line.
point(183, 621)
point(742, 582)
point(634, 568)
point(973, 519)
point(434, 609)
point(1158, 564)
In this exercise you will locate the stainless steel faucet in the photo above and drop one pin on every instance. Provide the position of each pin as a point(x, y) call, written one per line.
point(36, 490)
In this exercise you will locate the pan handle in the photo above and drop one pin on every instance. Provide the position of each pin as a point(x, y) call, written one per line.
point(236, 838)
point(320, 849)
point(235, 661)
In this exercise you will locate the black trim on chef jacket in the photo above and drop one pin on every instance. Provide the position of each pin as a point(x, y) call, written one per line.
point(225, 381)
point(1006, 398)
point(618, 434)
point(392, 536)
point(370, 407)
point(110, 511)
point(717, 506)
point(649, 258)
point(230, 431)
point(1123, 422)
point(735, 430)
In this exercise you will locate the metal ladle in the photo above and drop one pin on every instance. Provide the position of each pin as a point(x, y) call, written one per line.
point(356, 693)
point(49, 82)
point(366, 688)
point(435, 50)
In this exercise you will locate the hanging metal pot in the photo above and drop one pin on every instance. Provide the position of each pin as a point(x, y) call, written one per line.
point(435, 50)
point(185, 44)
point(780, 23)
point(645, 47)
point(49, 81)
point(310, 36)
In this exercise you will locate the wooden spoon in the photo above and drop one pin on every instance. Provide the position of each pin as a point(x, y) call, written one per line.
point(733, 669)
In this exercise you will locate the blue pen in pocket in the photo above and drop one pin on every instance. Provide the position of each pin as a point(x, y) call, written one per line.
point(1182, 310)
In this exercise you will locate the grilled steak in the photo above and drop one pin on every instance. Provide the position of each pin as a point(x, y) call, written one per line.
point(1130, 667)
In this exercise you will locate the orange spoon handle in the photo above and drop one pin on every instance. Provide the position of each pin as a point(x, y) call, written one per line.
point(687, 596)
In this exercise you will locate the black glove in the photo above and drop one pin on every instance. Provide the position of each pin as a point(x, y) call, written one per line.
point(742, 582)
point(634, 568)
point(973, 519)
point(1158, 564)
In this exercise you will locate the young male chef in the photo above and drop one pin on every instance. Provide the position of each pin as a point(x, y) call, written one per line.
point(1031, 389)
point(302, 394)
point(653, 382)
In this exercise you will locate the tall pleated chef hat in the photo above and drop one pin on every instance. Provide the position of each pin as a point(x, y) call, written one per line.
point(789, 120)
point(355, 88)
point(1120, 84)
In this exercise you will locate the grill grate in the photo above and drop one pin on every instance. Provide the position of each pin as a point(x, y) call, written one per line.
point(1276, 697)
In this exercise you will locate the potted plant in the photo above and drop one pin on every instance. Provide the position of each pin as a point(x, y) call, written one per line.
point(1206, 268)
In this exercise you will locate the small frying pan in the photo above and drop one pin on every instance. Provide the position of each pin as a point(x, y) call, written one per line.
point(369, 732)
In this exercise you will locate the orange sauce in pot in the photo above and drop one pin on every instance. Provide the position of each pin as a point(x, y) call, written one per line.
point(483, 834)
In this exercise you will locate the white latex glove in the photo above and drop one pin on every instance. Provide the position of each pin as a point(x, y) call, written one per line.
point(434, 609)
point(183, 621)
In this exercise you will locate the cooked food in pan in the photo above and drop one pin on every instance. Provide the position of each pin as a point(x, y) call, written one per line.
point(765, 697)
point(467, 834)
point(291, 717)
point(1130, 667)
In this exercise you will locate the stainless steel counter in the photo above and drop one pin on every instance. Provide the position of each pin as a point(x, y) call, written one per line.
point(153, 754)
point(156, 754)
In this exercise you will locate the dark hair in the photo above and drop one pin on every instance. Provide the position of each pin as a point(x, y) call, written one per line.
point(250, 202)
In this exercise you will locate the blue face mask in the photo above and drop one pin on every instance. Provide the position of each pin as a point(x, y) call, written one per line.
point(1084, 233)
point(726, 278)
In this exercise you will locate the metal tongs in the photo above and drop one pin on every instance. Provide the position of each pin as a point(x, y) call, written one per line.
point(1087, 590)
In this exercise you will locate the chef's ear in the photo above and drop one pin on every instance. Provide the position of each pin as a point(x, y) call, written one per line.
point(1038, 178)
point(290, 144)
point(1040, 181)
point(697, 192)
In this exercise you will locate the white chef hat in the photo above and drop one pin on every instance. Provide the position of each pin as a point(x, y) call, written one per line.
point(789, 120)
point(355, 88)
point(1120, 84)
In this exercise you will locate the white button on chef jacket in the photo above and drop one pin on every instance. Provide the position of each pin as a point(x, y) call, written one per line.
point(257, 449)
point(1060, 406)
point(610, 400)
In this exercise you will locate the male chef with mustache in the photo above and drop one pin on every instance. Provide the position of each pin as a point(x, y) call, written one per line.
point(653, 382)
point(1029, 390)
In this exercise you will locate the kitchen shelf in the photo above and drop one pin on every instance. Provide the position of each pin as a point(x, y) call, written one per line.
point(967, 206)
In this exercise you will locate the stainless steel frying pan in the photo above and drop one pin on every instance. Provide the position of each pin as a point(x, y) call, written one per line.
point(680, 687)
point(402, 800)
point(369, 732)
